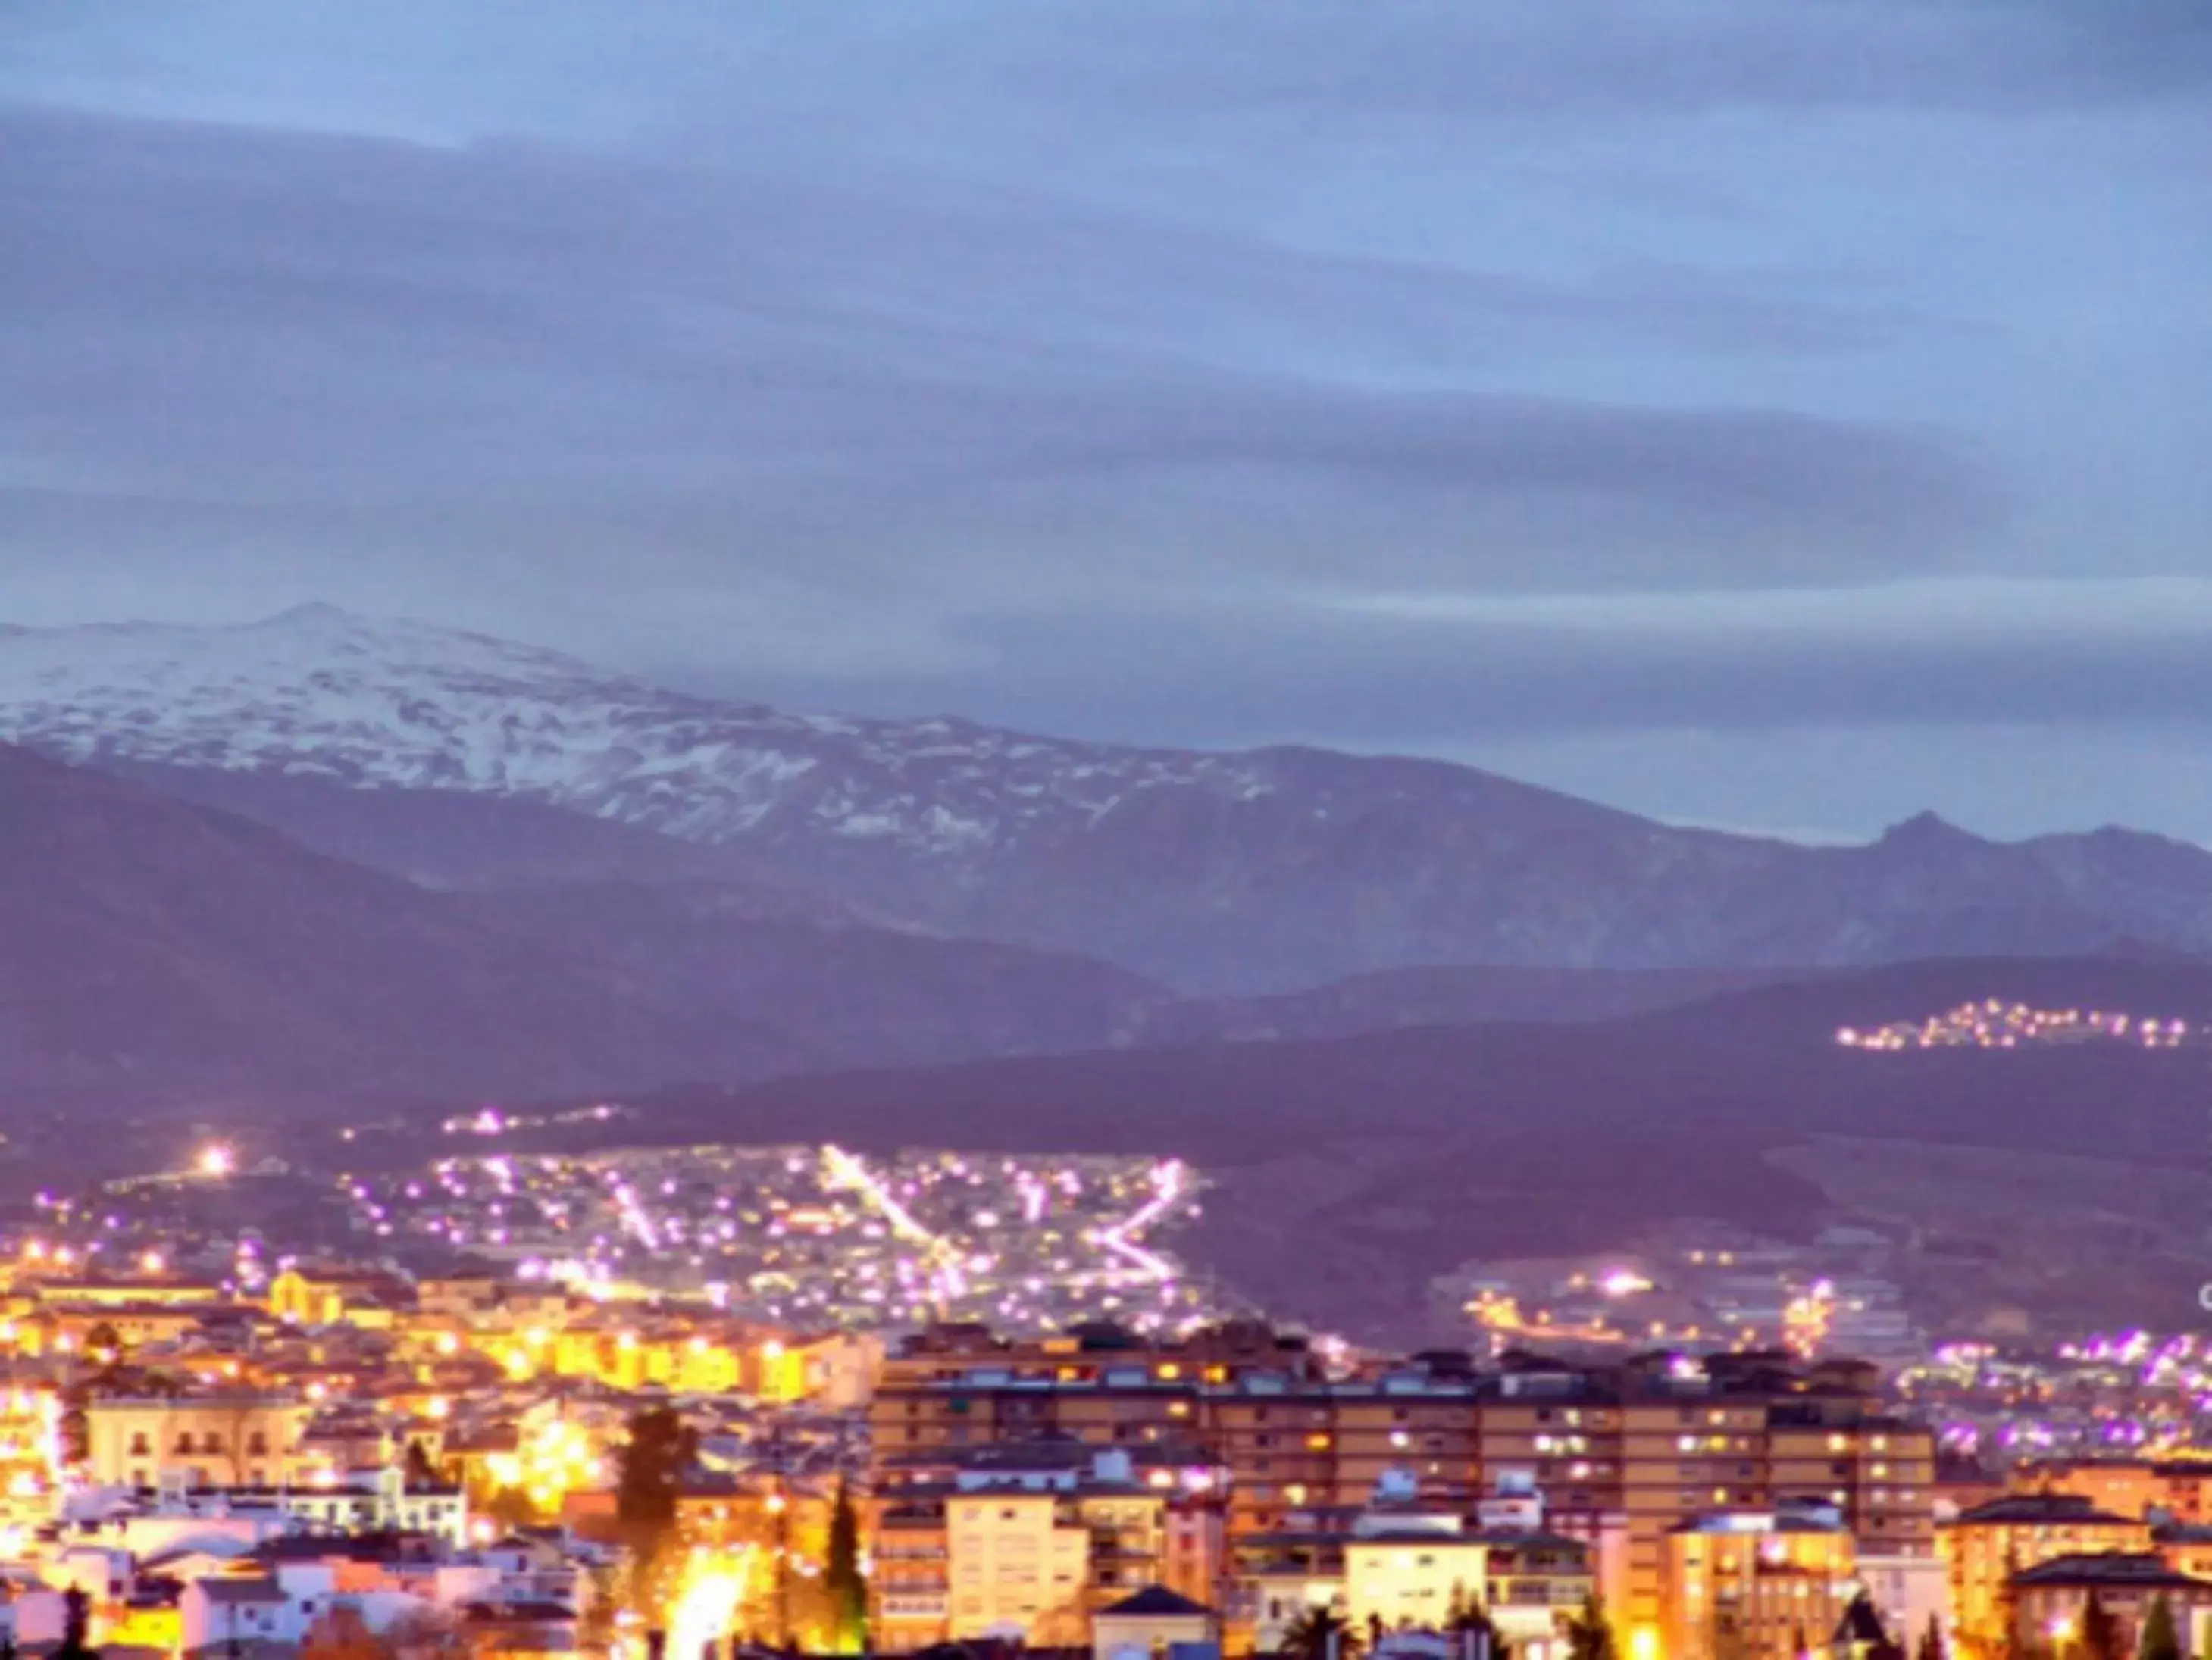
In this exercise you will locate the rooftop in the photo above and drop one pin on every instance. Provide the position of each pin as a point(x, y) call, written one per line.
point(2133, 1570)
point(1156, 1601)
point(2041, 1509)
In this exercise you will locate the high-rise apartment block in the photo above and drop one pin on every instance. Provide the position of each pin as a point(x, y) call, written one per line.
point(1623, 1452)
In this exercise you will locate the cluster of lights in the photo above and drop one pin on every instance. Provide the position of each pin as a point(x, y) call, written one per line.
point(498, 1121)
point(555, 1458)
point(1996, 1025)
point(2132, 1393)
point(799, 1235)
point(1707, 1303)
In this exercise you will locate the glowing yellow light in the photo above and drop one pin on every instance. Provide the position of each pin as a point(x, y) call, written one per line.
point(706, 1606)
point(152, 1262)
point(216, 1160)
point(1644, 1644)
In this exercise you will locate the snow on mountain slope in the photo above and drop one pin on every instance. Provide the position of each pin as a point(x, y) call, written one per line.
point(1266, 870)
point(379, 704)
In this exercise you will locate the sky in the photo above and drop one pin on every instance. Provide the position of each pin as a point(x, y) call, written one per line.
point(1779, 416)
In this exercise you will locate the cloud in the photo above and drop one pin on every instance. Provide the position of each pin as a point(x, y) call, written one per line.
point(1952, 653)
point(1425, 375)
point(940, 74)
point(353, 343)
point(1674, 56)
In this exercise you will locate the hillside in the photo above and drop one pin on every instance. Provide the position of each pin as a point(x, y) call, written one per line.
point(1353, 1170)
point(155, 951)
point(147, 947)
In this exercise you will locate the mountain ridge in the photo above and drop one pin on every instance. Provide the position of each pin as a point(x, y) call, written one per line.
point(1239, 872)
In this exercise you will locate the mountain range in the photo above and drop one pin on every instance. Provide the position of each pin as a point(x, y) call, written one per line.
point(462, 761)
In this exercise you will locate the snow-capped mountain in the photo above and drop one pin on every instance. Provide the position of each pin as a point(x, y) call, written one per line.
point(1264, 869)
point(394, 704)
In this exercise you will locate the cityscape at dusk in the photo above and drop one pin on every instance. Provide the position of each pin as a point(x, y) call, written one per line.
point(1190, 830)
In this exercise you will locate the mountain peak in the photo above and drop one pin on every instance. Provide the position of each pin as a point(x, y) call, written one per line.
point(314, 613)
point(1928, 828)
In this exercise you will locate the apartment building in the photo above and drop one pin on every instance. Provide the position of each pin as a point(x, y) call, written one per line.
point(2052, 1597)
point(1763, 1584)
point(1017, 1565)
point(1400, 1563)
point(220, 1440)
point(1657, 1439)
point(1985, 1547)
point(1034, 1540)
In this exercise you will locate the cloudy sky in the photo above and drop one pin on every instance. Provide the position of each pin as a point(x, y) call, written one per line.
point(1750, 411)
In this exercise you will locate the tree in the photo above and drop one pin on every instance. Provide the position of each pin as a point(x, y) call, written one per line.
point(595, 1624)
point(1590, 1633)
point(77, 1621)
point(842, 1581)
point(1320, 1634)
point(1931, 1642)
point(654, 1456)
point(2159, 1639)
point(2100, 1631)
point(420, 1471)
point(658, 1449)
point(1467, 1619)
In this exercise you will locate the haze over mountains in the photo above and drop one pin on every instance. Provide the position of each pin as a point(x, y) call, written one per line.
point(1262, 871)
